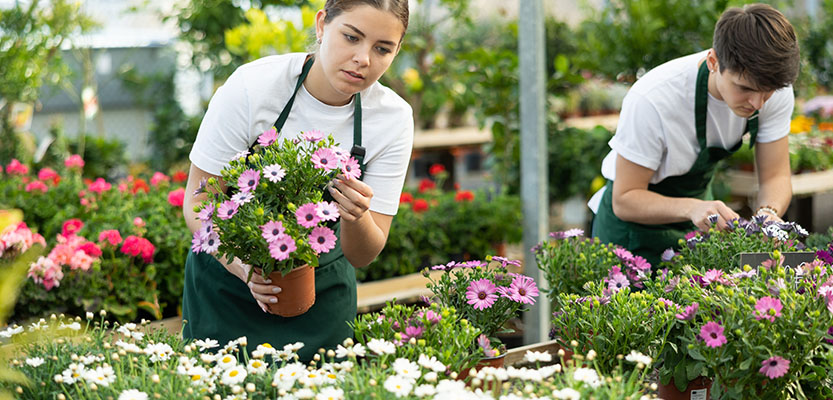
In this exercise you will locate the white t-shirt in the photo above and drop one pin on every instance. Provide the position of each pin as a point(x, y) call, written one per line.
point(656, 125)
point(251, 99)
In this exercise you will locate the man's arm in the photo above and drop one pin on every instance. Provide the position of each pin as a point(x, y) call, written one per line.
point(633, 202)
point(772, 161)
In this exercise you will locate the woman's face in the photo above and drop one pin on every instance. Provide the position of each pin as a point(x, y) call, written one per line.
point(357, 47)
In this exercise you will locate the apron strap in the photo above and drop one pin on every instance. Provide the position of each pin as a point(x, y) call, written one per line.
point(358, 152)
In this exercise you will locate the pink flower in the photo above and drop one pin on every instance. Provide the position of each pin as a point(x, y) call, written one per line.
point(44, 271)
point(90, 248)
point(36, 185)
point(481, 294)
point(623, 254)
point(412, 332)
point(206, 229)
point(210, 243)
point(71, 226)
point(617, 282)
point(80, 260)
point(522, 290)
point(689, 312)
point(281, 247)
point(241, 198)
point(713, 275)
point(138, 222)
point(48, 174)
point(206, 213)
point(431, 316)
point(322, 239)
point(575, 232)
point(313, 135)
point(196, 242)
point(158, 178)
point(484, 343)
point(327, 211)
point(227, 209)
point(274, 173)
point(74, 162)
point(268, 137)
point(15, 167)
point(324, 158)
point(350, 169)
point(272, 230)
point(307, 216)
point(774, 367)
point(99, 186)
point(112, 236)
point(176, 197)
point(137, 246)
point(768, 308)
point(248, 180)
point(340, 153)
point(712, 334)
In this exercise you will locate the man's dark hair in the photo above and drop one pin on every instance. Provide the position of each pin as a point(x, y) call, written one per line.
point(758, 43)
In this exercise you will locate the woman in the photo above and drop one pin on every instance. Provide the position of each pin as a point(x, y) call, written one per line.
point(334, 90)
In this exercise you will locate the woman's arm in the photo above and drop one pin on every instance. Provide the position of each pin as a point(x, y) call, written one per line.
point(363, 232)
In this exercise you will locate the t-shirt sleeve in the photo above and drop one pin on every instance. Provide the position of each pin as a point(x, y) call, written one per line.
point(639, 136)
point(774, 119)
point(224, 131)
point(386, 173)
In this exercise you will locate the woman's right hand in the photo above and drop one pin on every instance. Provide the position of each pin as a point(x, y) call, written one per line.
point(262, 289)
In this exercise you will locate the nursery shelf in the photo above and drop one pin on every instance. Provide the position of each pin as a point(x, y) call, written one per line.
point(608, 121)
point(451, 137)
point(744, 183)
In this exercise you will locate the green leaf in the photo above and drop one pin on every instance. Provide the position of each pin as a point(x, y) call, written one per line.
point(680, 377)
point(745, 364)
point(695, 354)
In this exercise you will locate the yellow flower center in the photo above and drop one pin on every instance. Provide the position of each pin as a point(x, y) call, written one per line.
point(233, 373)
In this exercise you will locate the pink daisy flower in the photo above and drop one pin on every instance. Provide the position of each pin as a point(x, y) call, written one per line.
point(618, 282)
point(573, 233)
point(484, 343)
point(211, 243)
point(306, 215)
point(689, 312)
point(241, 155)
point(324, 158)
point(248, 180)
point(274, 173)
point(350, 169)
point(281, 247)
point(206, 229)
point(481, 294)
point(272, 230)
point(641, 263)
point(774, 367)
point(712, 334)
point(412, 332)
point(206, 213)
point(268, 137)
point(340, 153)
point(322, 239)
point(623, 254)
point(713, 275)
point(505, 261)
point(196, 242)
point(313, 135)
point(768, 308)
point(522, 290)
point(241, 198)
point(227, 209)
point(327, 211)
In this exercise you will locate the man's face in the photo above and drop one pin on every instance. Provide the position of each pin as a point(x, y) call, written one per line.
point(740, 94)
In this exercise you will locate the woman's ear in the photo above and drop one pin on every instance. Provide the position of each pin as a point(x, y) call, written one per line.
point(319, 24)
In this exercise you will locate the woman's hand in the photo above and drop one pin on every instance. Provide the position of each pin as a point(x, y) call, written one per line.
point(262, 289)
point(353, 197)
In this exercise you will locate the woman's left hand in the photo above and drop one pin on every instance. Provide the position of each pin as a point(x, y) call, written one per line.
point(353, 197)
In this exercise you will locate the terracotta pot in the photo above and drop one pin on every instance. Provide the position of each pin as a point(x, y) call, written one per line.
point(495, 362)
point(499, 249)
point(297, 294)
point(697, 389)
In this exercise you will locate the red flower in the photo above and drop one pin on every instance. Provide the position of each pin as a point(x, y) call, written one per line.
point(464, 195)
point(16, 168)
point(71, 226)
point(176, 197)
point(158, 178)
point(420, 205)
point(99, 186)
point(46, 174)
point(91, 249)
point(113, 237)
point(406, 197)
point(436, 169)
point(136, 246)
point(74, 161)
point(180, 176)
point(140, 184)
point(36, 185)
point(425, 185)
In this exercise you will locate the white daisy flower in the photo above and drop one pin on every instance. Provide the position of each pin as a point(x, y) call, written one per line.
point(199, 375)
point(75, 326)
point(34, 362)
point(257, 366)
point(431, 363)
point(266, 348)
point(159, 351)
point(241, 198)
point(73, 373)
point(129, 347)
point(330, 393)
point(102, 376)
point(406, 368)
point(226, 361)
point(239, 396)
point(537, 356)
point(511, 396)
point(87, 360)
point(304, 393)
point(381, 346)
point(637, 357)
point(312, 378)
point(206, 344)
point(588, 376)
point(11, 331)
point(398, 385)
point(356, 350)
point(430, 377)
point(566, 394)
point(294, 347)
point(133, 394)
point(286, 377)
point(234, 376)
point(424, 390)
point(548, 371)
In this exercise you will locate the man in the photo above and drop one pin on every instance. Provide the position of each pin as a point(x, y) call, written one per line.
point(684, 116)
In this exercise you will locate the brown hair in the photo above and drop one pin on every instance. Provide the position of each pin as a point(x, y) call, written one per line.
point(399, 8)
point(757, 42)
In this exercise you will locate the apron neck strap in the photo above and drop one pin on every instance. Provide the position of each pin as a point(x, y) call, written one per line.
point(701, 101)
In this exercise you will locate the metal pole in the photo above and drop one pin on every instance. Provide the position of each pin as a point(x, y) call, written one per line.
point(533, 155)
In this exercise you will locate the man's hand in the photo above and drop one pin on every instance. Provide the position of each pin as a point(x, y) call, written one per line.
point(719, 212)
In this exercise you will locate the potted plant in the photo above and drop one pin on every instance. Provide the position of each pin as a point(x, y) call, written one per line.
point(485, 295)
point(274, 216)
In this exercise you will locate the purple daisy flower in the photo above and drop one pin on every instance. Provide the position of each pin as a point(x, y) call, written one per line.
point(211, 243)
point(281, 247)
point(444, 267)
point(227, 209)
point(241, 198)
point(268, 137)
point(322, 239)
point(689, 312)
point(272, 230)
point(623, 254)
point(712, 334)
point(522, 290)
point(327, 211)
point(306, 215)
point(313, 135)
point(557, 235)
point(774, 367)
point(505, 261)
point(248, 180)
point(768, 308)
point(668, 255)
point(201, 188)
point(412, 332)
point(713, 275)
point(324, 158)
point(274, 173)
point(196, 243)
point(481, 294)
point(575, 232)
point(350, 169)
point(206, 213)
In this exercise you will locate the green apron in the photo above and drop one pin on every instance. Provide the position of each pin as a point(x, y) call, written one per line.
point(218, 305)
point(650, 241)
